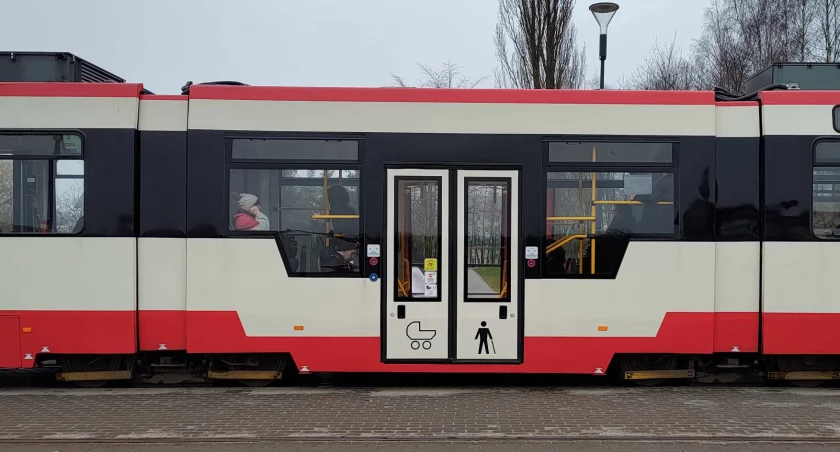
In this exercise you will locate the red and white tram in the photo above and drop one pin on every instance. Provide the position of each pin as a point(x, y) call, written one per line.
point(244, 232)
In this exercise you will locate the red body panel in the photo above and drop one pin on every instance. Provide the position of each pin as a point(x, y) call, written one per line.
point(113, 332)
point(736, 329)
point(166, 328)
point(10, 342)
point(469, 96)
point(73, 332)
point(801, 333)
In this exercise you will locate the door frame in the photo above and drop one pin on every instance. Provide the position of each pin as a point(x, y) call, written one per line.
point(451, 228)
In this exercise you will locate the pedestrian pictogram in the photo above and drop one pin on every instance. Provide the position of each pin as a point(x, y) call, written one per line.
point(482, 335)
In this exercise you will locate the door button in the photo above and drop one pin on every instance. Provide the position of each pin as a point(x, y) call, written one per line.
point(502, 312)
point(401, 311)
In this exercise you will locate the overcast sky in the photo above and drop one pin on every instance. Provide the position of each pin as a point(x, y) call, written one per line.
point(164, 43)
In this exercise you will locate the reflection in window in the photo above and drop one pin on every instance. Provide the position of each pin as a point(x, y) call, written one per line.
point(286, 149)
point(25, 190)
point(418, 238)
point(625, 204)
point(826, 199)
point(317, 211)
point(488, 239)
point(620, 152)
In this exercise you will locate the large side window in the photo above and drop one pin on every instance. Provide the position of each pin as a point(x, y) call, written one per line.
point(598, 196)
point(826, 190)
point(41, 183)
point(313, 206)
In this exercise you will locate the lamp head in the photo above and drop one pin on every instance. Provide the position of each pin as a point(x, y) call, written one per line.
point(603, 12)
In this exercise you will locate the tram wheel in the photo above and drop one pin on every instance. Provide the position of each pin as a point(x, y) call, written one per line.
point(267, 362)
point(811, 363)
point(639, 363)
point(90, 363)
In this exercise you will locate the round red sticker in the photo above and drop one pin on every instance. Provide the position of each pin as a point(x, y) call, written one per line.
point(374, 261)
point(532, 263)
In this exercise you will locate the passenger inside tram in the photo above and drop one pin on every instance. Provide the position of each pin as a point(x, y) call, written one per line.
point(249, 215)
point(339, 202)
point(340, 256)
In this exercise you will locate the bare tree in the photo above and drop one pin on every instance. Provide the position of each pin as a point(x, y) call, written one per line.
point(6, 195)
point(544, 50)
point(665, 69)
point(448, 76)
point(68, 206)
point(741, 38)
point(826, 30)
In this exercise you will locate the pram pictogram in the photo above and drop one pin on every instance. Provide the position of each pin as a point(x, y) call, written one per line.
point(417, 334)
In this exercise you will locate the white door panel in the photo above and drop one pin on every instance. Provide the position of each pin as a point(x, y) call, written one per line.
point(487, 265)
point(417, 314)
point(425, 295)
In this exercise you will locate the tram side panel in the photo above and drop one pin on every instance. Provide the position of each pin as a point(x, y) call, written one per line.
point(660, 300)
point(801, 254)
point(162, 244)
point(245, 295)
point(69, 253)
point(737, 233)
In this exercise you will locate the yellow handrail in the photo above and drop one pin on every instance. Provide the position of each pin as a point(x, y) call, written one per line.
point(503, 292)
point(628, 202)
point(563, 241)
point(334, 217)
point(569, 218)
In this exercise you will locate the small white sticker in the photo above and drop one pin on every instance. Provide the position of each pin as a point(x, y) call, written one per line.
point(431, 277)
point(373, 251)
point(532, 252)
point(431, 290)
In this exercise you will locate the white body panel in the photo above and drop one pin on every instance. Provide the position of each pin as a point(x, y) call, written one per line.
point(431, 336)
point(654, 278)
point(162, 264)
point(248, 276)
point(436, 117)
point(163, 115)
point(797, 120)
point(801, 277)
point(68, 112)
point(82, 274)
point(733, 121)
point(504, 333)
point(737, 276)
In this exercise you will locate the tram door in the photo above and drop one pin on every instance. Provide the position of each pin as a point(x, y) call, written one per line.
point(452, 277)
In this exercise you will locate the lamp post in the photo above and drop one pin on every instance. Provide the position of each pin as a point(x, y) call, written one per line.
point(603, 12)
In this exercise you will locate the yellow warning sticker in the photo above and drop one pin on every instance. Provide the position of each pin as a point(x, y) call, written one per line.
point(430, 265)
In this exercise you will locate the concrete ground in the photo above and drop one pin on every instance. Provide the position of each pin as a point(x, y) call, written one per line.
point(452, 418)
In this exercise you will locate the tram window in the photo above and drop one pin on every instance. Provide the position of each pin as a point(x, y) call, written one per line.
point(826, 190)
point(626, 204)
point(487, 249)
point(588, 152)
point(41, 189)
point(315, 210)
point(40, 145)
point(418, 225)
point(288, 149)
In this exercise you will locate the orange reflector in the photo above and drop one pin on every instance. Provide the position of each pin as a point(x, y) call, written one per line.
point(298, 327)
point(602, 328)
point(27, 329)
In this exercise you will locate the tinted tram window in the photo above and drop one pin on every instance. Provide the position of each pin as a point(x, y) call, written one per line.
point(625, 204)
point(285, 149)
point(41, 184)
point(826, 190)
point(487, 252)
point(316, 211)
point(418, 223)
point(580, 152)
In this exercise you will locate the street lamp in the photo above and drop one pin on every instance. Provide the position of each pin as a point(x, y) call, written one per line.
point(603, 12)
